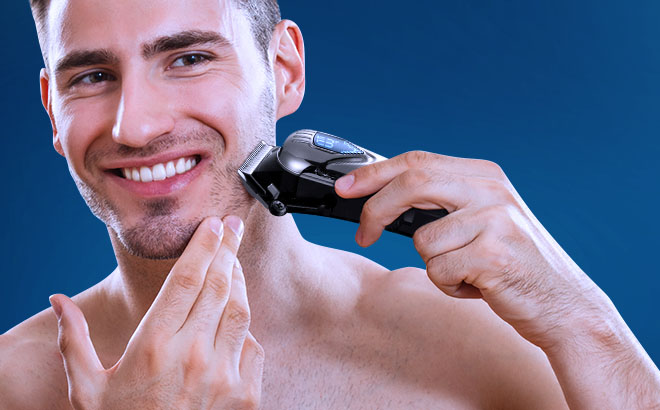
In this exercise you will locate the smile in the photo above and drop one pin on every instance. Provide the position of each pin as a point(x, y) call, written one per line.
point(159, 172)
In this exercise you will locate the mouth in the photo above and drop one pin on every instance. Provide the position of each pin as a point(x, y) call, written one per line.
point(154, 179)
point(160, 171)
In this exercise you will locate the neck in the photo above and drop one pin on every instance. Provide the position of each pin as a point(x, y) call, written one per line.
point(273, 255)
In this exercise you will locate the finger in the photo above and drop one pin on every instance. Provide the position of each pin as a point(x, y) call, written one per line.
point(452, 273)
point(370, 178)
point(442, 245)
point(252, 364)
point(414, 188)
point(184, 282)
point(452, 232)
point(486, 263)
point(81, 362)
point(207, 311)
point(235, 320)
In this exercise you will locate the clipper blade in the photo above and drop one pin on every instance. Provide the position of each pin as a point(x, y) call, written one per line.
point(254, 159)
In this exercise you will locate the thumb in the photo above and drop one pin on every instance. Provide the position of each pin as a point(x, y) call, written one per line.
point(81, 362)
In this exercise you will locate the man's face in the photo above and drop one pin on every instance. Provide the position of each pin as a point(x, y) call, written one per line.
point(135, 84)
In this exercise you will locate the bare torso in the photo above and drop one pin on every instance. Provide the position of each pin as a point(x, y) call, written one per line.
point(401, 344)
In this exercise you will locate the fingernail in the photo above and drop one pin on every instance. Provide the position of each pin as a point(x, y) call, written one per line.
point(235, 224)
point(216, 226)
point(57, 308)
point(345, 182)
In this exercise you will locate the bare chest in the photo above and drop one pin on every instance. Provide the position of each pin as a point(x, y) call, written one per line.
point(305, 379)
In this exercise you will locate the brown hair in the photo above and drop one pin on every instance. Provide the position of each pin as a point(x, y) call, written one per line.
point(263, 16)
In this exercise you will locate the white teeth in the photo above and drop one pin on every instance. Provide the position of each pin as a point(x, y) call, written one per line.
point(146, 175)
point(170, 171)
point(161, 171)
point(181, 166)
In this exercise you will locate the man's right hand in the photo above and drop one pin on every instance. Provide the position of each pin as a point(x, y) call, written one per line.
point(192, 349)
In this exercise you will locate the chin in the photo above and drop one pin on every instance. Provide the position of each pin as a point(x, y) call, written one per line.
point(158, 238)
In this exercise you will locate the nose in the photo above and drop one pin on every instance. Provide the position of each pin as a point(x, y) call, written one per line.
point(143, 113)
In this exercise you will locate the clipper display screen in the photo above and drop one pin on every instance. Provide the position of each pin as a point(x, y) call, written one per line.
point(335, 144)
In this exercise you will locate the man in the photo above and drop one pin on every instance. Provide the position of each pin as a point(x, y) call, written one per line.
point(155, 105)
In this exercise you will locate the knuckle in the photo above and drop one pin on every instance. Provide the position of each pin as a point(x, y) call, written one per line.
point(503, 218)
point(496, 213)
point(416, 158)
point(152, 356)
point(196, 361)
point(498, 190)
point(187, 278)
point(159, 323)
point(369, 171)
point(238, 315)
point(447, 270)
point(423, 238)
point(219, 285)
point(492, 169)
point(437, 269)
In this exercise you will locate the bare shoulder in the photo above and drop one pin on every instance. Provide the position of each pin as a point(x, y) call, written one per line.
point(31, 371)
point(456, 344)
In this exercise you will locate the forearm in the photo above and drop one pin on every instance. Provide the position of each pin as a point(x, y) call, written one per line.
point(601, 365)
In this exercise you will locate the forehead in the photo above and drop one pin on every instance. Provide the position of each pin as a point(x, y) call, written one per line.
point(125, 24)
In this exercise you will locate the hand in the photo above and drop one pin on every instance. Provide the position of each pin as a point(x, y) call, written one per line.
point(192, 349)
point(490, 245)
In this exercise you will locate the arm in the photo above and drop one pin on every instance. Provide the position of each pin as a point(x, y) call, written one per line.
point(491, 246)
point(602, 365)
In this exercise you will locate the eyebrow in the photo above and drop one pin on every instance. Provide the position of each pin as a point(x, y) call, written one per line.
point(183, 39)
point(83, 58)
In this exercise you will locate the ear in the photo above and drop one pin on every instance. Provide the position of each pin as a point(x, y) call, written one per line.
point(287, 52)
point(44, 83)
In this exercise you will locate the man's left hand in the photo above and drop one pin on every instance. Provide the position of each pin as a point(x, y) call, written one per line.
point(490, 245)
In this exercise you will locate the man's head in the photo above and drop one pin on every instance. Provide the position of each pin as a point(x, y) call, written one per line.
point(135, 86)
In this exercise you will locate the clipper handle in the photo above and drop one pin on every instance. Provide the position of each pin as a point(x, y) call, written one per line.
point(325, 202)
point(406, 224)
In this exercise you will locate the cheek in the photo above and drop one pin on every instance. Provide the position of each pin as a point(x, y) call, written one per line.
point(79, 124)
point(230, 107)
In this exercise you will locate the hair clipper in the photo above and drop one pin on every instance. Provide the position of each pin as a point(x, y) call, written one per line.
point(299, 177)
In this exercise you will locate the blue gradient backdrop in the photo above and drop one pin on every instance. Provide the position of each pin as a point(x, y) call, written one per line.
point(564, 95)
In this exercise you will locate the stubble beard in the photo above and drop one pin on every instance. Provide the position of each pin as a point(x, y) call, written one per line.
point(160, 234)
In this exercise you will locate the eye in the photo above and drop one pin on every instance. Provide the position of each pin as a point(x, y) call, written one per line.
point(190, 60)
point(93, 78)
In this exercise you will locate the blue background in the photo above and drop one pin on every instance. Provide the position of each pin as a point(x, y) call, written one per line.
point(564, 95)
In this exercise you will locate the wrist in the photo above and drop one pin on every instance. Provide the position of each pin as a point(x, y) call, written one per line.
point(600, 364)
point(591, 326)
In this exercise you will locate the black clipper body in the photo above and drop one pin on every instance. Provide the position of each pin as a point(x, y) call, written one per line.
point(300, 176)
